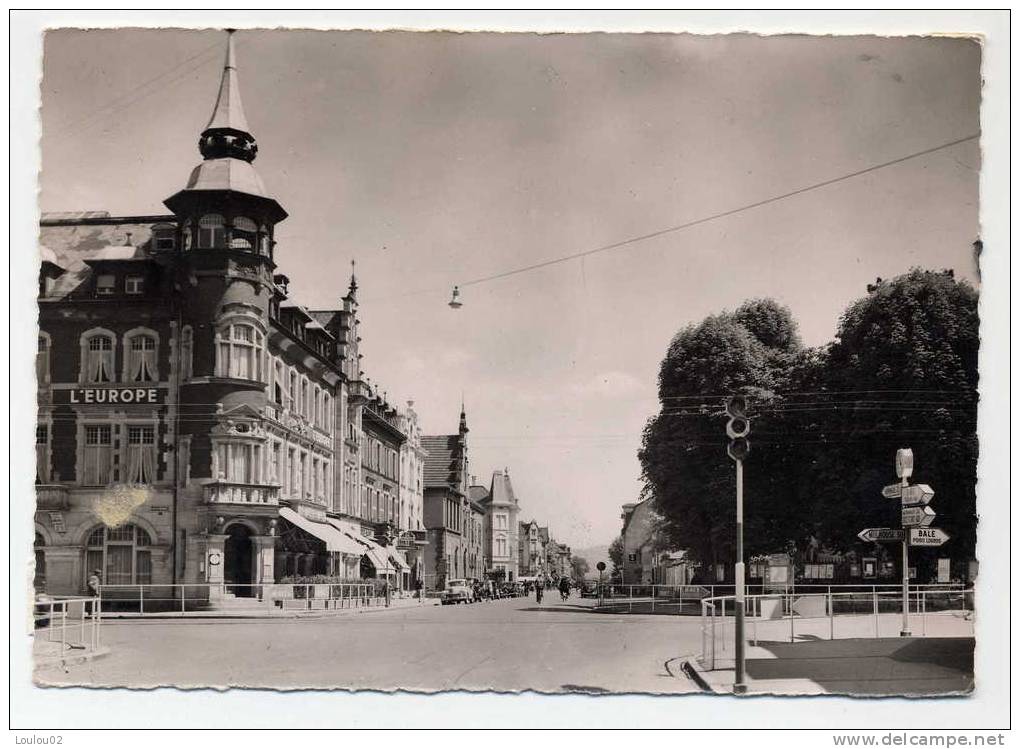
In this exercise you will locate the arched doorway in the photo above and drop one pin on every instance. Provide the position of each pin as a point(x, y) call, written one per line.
point(237, 560)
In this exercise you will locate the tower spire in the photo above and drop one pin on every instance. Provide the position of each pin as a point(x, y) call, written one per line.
point(352, 290)
point(463, 418)
point(228, 134)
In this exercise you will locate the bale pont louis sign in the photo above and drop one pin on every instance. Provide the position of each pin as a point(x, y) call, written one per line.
point(111, 396)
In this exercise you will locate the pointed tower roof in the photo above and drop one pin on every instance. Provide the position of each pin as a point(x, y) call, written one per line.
point(228, 148)
point(463, 420)
point(228, 113)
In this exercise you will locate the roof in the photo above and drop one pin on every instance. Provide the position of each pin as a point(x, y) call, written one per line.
point(73, 215)
point(324, 317)
point(228, 112)
point(502, 489)
point(227, 174)
point(478, 493)
point(442, 466)
point(72, 244)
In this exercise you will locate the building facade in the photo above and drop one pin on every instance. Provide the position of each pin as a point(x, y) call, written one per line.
point(501, 512)
point(646, 559)
point(411, 520)
point(195, 423)
point(448, 514)
point(531, 550)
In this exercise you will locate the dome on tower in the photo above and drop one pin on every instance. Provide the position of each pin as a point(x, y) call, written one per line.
point(227, 174)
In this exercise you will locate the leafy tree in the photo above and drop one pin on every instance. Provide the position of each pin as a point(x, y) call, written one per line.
point(686, 470)
point(910, 350)
point(902, 372)
point(616, 557)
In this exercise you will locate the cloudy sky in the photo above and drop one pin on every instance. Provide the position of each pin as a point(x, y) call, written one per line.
point(434, 159)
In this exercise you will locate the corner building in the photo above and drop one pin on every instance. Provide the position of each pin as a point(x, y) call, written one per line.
point(195, 424)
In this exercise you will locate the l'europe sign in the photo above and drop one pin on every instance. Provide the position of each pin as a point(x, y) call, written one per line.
point(111, 396)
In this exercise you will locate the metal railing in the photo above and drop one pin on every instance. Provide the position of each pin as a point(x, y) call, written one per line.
point(686, 599)
point(831, 613)
point(66, 626)
point(219, 599)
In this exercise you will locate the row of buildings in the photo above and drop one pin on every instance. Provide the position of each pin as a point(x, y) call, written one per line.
point(197, 424)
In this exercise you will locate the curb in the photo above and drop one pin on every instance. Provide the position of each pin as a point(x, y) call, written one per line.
point(692, 673)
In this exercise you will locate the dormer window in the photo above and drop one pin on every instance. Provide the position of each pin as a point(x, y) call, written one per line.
point(106, 284)
point(211, 232)
point(164, 238)
point(134, 285)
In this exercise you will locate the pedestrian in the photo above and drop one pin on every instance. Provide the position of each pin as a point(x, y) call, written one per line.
point(538, 592)
point(93, 583)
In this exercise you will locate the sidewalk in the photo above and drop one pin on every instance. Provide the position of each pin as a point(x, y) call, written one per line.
point(265, 610)
point(910, 666)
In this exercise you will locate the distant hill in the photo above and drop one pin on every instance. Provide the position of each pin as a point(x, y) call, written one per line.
point(594, 555)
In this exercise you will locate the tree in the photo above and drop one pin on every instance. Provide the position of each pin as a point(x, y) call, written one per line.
point(910, 351)
point(685, 468)
point(901, 372)
point(616, 557)
point(578, 568)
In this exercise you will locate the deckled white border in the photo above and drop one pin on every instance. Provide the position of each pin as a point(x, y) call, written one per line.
point(32, 707)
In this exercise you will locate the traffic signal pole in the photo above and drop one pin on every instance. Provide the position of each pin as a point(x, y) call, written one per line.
point(737, 429)
point(739, 681)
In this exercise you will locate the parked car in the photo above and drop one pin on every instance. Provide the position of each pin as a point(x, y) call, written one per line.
point(458, 591)
point(590, 589)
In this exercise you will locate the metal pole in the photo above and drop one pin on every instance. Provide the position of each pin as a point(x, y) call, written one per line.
point(924, 612)
point(905, 629)
point(832, 626)
point(739, 683)
point(874, 596)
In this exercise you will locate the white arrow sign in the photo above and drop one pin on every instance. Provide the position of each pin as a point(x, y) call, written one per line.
point(928, 536)
point(880, 534)
point(893, 491)
point(917, 516)
point(918, 494)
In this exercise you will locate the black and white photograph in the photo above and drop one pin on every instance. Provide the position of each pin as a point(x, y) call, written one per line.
point(418, 361)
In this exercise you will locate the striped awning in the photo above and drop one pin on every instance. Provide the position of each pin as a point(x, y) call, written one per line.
point(335, 540)
point(365, 546)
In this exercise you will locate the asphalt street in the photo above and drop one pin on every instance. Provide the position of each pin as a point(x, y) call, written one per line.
point(507, 645)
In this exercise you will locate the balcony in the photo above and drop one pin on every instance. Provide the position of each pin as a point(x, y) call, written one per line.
point(51, 497)
point(237, 493)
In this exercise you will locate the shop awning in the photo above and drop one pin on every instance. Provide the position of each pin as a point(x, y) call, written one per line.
point(335, 540)
point(398, 559)
point(366, 546)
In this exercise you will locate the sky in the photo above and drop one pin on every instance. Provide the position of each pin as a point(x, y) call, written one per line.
point(436, 158)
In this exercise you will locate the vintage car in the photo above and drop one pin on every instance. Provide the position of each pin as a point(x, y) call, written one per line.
point(457, 591)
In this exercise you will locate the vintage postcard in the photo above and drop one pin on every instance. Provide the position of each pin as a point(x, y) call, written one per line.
point(419, 361)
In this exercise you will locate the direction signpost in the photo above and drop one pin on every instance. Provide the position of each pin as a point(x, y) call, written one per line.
point(917, 516)
point(917, 494)
point(892, 491)
point(928, 536)
point(878, 535)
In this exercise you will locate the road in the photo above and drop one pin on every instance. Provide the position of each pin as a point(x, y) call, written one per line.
point(507, 645)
